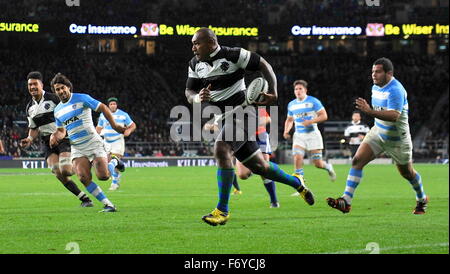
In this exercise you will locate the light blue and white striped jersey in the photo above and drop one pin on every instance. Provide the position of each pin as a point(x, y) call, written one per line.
point(304, 110)
point(392, 96)
point(121, 118)
point(76, 117)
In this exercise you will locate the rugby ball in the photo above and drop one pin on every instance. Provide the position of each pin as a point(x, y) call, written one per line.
point(255, 89)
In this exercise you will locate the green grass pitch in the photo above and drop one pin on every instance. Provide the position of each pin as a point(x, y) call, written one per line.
point(160, 211)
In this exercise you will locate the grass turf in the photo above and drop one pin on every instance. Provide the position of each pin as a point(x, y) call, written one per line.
point(160, 211)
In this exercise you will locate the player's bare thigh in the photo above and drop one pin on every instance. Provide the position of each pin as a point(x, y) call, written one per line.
point(101, 168)
point(65, 165)
point(53, 162)
point(82, 167)
point(363, 156)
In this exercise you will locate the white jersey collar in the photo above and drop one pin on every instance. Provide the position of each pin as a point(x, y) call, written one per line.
point(42, 98)
point(214, 53)
point(301, 101)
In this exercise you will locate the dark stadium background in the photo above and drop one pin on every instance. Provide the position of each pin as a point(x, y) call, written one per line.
point(148, 73)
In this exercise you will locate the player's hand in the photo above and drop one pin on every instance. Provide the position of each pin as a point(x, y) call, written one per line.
point(205, 94)
point(269, 99)
point(362, 105)
point(53, 140)
point(361, 136)
point(119, 128)
point(26, 142)
point(307, 123)
point(286, 136)
point(127, 132)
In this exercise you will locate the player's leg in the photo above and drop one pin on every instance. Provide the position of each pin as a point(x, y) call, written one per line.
point(414, 178)
point(316, 157)
point(225, 176)
point(66, 170)
point(270, 187)
point(243, 173)
point(298, 153)
point(53, 162)
point(82, 166)
point(363, 156)
point(250, 155)
point(402, 156)
point(117, 151)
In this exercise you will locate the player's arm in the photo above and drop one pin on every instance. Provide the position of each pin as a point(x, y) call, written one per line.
point(57, 136)
point(108, 115)
point(390, 115)
point(288, 126)
point(194, 91)
point(130, 129)
point(272, 94)
point(322, 116)
point(33, 133)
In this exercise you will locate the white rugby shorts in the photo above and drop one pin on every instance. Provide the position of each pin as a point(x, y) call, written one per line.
point(309, 141)
point(116, 147)
point(399, 151)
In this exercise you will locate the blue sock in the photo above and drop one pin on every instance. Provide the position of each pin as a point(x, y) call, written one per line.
point(300, 171)
point(416, 183)
point(116, 178)
point(271, 189)
point(276, 174)
point(112, 168)
point(97, 192)
point(225, 178)
point(353, 180)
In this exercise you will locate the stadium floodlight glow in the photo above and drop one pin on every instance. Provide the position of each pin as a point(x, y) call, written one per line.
point(325, 31)
point(91, 29)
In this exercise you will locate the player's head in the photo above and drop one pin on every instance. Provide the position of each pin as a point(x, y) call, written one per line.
point(382, 71)
point(300, 89)
point(62, 86)
point(204, 42)
point(112, 103)
point(35, 84)
point(356, 116)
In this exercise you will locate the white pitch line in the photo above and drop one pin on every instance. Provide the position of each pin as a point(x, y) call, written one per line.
point(387, 248)
point(23, 173)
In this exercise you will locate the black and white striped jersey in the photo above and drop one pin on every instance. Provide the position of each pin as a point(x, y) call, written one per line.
point(355, 129)
point(224, 71)
point(40, 114)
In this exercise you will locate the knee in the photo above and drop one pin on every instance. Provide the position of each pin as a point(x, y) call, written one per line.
point(260, 167)
point(103, 177)
point(243, 176)
point(222, 154)
point(317, 163)
point(85, 178)
point(66, 173)
point(356, 161)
